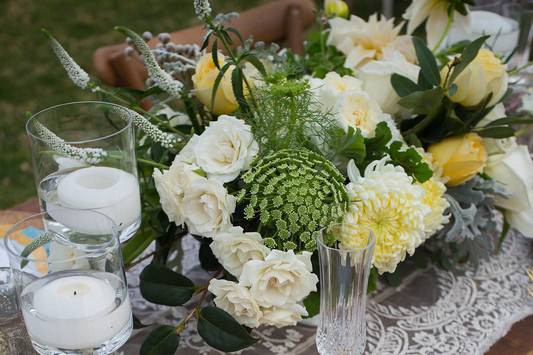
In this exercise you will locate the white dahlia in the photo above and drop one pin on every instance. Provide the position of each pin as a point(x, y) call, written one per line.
point(387, 202)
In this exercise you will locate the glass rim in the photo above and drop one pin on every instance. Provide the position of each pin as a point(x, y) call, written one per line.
point(35, 116)
point(371, 242)
point(12, 253)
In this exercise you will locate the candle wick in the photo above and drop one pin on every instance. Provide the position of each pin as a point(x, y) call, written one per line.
point(75, 293)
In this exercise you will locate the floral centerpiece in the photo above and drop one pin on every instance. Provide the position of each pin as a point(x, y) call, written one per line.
point(254, 150)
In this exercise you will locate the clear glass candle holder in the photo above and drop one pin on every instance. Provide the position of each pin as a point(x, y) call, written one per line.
point(84, 158)
point(70, 285)
point(343, 286)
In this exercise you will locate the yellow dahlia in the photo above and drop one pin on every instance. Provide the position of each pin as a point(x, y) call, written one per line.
point(388, 202)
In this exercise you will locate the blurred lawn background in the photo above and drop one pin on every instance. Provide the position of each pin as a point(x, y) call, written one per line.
point(31, 79)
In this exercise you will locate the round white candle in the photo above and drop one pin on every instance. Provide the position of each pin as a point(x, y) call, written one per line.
point(75, 312)
point(110, 191)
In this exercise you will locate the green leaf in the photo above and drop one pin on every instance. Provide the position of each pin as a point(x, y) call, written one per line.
point(222, 331)
point(256, 63)
point(427, 62)
point(312, 304)
point(420, 258)
point(373, 280)
point(510, 120)
point(412, 162)
point(205, 43)
point(44, 238)
point(423, 102)
point(469, 54)
point(237, 33)
point(350, 144)
point(216, 84)
point(236, 84)
point(136, 245)
point(214, 54)
point(496, 132)
point(403, 85)
point(163, 340)
point(208, 260)
point(161, 285)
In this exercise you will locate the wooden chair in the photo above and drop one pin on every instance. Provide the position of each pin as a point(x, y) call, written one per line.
point(281, 21)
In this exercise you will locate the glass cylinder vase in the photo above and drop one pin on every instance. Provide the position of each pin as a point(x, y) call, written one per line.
point(343, 286)
point(70, 285)
point(84, 158)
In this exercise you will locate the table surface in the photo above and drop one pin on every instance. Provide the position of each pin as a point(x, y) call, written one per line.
point(518, 341)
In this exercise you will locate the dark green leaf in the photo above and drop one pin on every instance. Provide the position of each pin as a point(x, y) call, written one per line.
point(496, 132)
point(427, 62)
point(136, 245)
point(205, 43)
point(373, 280)
point(214, 54)
point(403, 85)
point(218, 79)
point(350, 145)
point(420, 258)
point(423, 102)
point(44, 238)
point(395, 278)
point(312, 304)
point(412, 162)
point(237, 85)
point(468, 55)
point(222, 331)
point(510, 120)
point(257, 64)
point(163, 340)
point(208, 260)
point(161, 285)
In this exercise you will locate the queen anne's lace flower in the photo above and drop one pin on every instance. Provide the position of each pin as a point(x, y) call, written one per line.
point(163, 79)
point(78, 76)
point(167, 140)
point(387, 202)
point(58, 145)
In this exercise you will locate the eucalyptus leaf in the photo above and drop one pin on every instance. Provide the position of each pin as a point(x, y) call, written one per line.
point(427, 62)
point(403, 85)
point(163, 340)
point(222, 331)
point(510, 120)
point(468, 55)
point(161, 285)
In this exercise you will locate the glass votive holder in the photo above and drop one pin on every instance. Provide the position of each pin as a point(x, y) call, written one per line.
point(83, 157)
point(71, 285)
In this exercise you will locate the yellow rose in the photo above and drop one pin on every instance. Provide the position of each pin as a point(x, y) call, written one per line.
point(336, 8)
point(459, 157)
point(204, 80)
point(484, 75)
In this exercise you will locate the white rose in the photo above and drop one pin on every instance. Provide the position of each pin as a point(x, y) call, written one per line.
point(514, 170)
point(328, 91)
point(282, 278)
point(208, 207)
point(171, 185)
point(234, 248)
point(287, 315)
point(223, 150)
point(237, 301)
point(521, 221)
point(376, 76)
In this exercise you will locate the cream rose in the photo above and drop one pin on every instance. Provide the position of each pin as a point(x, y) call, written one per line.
point(234, 248)
point(171, 185)
point(521, 221)
point(223, 150)
point(287, 315)
point(208, 207)
point(237, 301)
point(485, 75)
point(204, 81)
point(282, 278)
point(376, 77)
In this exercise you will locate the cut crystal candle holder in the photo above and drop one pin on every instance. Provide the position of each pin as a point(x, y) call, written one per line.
point(343, 286)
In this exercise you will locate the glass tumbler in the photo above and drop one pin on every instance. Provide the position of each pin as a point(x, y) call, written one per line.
point(343, 286)
point(70, 285)
point(84, 158)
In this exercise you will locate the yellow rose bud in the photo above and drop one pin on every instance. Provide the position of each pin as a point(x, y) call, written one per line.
point(459, 157)
point(336, 8)
point(484, 75)
point(204, 81)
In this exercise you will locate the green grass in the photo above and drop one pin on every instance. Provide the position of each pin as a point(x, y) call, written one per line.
point(31, 79)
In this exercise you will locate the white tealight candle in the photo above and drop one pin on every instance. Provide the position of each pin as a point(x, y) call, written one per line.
point(75, 312)
point(110, 191)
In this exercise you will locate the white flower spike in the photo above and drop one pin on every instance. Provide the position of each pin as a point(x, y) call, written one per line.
point(202, 8)
point(78, 76)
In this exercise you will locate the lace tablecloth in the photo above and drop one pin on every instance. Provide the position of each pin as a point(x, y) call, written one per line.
point(433, 312)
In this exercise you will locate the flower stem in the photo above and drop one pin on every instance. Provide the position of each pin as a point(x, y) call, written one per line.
point(445, 33)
